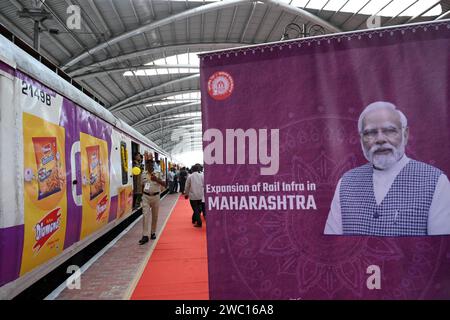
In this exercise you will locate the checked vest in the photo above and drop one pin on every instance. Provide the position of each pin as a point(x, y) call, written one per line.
point(403, 211)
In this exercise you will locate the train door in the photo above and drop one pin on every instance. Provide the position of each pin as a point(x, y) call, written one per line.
point(137, 195)
point(121, 178)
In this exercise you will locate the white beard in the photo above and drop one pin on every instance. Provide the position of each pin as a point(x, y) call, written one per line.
point(384, 161)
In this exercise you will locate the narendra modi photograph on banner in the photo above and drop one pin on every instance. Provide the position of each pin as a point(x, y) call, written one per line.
point(392, 194)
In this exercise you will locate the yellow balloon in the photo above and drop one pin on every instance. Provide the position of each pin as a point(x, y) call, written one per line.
point(136, 171)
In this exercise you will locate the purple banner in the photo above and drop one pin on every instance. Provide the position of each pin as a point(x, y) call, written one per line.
point(270, 186)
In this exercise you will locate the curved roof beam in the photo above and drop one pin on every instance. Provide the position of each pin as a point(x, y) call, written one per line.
point(303, 13)
point(165, 140)
point(170, 146)
point(118, 105)
point(184, 148)
point(190, 148)
point(175, 148)
point(127, 56)
point(156, 115)
point(197, 135)
point(148, 99)
point(191, 140)
point(442, 16)
point(174, 125)
point(168, 121)
point(134, 69)
point(194, 138)
point(179, 116)
point(151, 26)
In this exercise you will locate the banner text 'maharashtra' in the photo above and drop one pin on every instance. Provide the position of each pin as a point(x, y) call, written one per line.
point(261, 202)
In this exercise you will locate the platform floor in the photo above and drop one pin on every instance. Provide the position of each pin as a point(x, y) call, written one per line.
point(178, 267)
point(116, 274)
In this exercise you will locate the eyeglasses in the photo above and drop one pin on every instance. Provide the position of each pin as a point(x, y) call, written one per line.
point(388, 132)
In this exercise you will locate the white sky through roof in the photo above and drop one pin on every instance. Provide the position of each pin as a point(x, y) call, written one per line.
point(190, 158)
point(388, 8)
point(184, 59)
point(185, 115)
point(178, 98)
point(393, 8)
point(159, 71)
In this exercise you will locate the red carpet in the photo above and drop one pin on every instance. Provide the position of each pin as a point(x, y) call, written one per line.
point(178, 267)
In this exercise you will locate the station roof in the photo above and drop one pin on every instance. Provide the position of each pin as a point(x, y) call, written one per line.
point(139, 57)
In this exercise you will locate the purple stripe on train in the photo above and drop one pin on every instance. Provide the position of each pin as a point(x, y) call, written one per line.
point(7, 68)
point(11, 244)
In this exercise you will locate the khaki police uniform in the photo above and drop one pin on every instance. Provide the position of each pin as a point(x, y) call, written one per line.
point(150, 202)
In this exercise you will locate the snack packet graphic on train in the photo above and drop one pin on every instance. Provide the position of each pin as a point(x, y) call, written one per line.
point(95, 171)
point(47, 159)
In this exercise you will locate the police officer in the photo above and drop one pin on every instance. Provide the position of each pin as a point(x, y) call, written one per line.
point(151, 183)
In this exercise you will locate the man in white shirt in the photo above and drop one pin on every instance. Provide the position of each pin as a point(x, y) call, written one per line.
point(392, 195)
point(170, 179)
point(194, 191)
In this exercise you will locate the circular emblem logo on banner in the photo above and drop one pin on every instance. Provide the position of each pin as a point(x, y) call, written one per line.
point(220, 85)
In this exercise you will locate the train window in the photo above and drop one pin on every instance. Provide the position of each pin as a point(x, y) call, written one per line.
point(124, 161)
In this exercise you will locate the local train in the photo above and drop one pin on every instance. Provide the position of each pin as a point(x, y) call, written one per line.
point(66, 169)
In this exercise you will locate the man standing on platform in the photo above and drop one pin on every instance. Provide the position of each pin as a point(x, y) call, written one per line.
point(171, 179)
point(151, 183)
point(194, 192)
point(183, 177)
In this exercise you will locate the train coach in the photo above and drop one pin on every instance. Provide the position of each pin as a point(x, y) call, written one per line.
point(66, 166)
